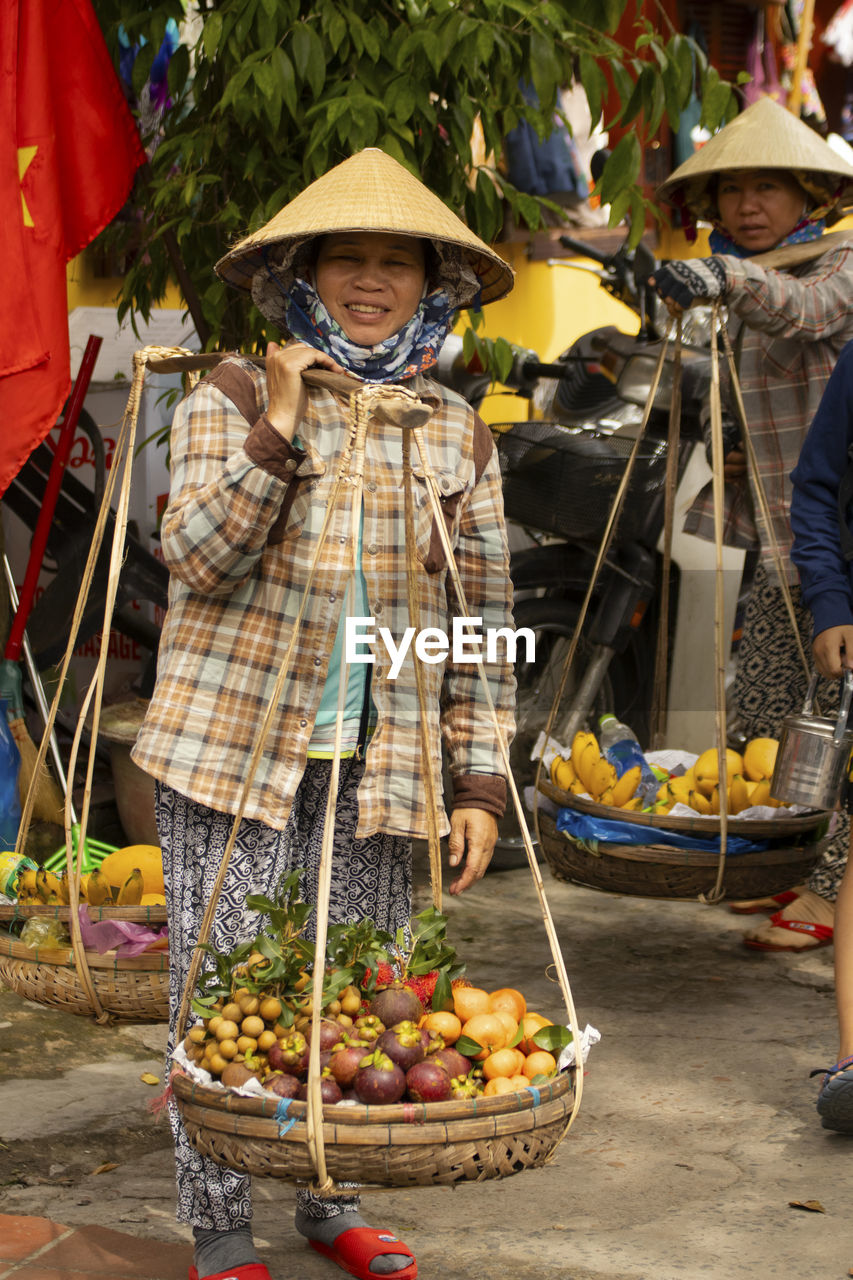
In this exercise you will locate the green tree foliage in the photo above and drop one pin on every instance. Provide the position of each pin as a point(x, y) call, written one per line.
point(274, 92)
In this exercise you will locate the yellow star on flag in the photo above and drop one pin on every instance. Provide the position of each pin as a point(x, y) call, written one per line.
point(26, 155)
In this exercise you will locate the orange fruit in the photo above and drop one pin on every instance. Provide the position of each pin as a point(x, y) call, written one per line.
point(444, 1024)
point(509, 1000)
point(509, 1022)
point(498, 1085)
point(488, 1031)
point(503, 1062)
point(530, 1024)
point(519, 1082)
point(539, 1063)
point(468, 1001)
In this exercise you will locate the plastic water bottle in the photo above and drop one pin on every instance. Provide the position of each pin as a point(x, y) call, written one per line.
point(620, 746)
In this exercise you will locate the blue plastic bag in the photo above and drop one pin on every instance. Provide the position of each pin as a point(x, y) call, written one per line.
point(588, 831)
point(10, 765)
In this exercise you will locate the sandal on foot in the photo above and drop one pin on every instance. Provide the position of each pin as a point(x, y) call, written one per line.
point(821, 935)
point(354, 1250)
point(754, 906)
point(248, 1271)
point(835, 1100)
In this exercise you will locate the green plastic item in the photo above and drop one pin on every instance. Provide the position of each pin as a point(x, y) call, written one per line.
point(93, 854)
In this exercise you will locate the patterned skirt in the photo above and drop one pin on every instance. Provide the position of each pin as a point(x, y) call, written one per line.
point(371, 878)
point(770, 684)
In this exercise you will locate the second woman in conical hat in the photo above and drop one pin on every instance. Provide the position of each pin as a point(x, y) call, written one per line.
point(768, 182)
point(365, 270)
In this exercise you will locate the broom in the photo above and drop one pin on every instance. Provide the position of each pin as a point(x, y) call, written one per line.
point(48, 803)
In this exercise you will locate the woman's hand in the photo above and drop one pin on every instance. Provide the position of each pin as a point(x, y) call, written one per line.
point(833, 651)
point(685, 281)
point(287, 394)
point(734, 464)
point(473, 832)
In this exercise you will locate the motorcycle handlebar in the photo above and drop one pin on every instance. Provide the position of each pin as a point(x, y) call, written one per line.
point(533, 369)
point(586, 250)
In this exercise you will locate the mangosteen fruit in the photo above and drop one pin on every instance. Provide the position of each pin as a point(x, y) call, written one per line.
point(286, 1053)
point(428, 1081)
point(378, 1080)
point(454, 1062)
point(330, 1033)
point(330, 1090)
point(396, 1003)
point(369, 1027)
point(346, 1055)
point(282, 1083)
point(404, 1044)
point(466, 1087)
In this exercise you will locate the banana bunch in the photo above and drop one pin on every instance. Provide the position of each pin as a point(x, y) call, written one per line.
point(699, 787)
point(37, 887)
point(587, 772)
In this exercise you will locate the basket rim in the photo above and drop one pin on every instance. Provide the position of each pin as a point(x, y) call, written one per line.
point(401, 1113)
point(800, 824)
point(152, 961)
point(138, 914)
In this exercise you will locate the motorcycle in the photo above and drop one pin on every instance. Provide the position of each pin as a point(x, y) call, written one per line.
point(561, 468)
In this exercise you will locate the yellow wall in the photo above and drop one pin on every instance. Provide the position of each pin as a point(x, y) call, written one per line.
point(85, 289)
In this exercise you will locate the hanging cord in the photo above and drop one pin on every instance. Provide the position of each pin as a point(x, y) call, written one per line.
point(764, 505)
point(661, 685)
point(607, 538)
point(500, 736)
point(423, 722)
point(720, 645)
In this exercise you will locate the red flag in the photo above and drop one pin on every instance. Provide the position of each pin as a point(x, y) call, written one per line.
point(69, 149)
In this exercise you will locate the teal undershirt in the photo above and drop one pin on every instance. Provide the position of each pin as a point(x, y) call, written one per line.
point(322, 742)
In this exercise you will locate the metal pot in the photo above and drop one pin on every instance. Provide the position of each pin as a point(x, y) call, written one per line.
point(814, 753)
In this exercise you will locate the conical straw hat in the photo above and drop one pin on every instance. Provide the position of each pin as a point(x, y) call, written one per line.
point(369, 192)
point(765, 136)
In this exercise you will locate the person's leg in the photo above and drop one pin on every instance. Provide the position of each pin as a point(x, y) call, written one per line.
point(844, 963)
point(215, 1200)
point(371, 879)
point(770, 683)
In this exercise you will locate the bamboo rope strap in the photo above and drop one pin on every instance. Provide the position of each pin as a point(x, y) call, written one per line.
point(606, 539)
point(423, 722)
point(720, 646)
point(763, 503)
point(661, 685)
point(550, 930)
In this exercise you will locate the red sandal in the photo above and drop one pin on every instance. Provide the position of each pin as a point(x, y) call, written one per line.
point(821, 933)
point(754, 906)
point(248, 1271)
point(355, 1249)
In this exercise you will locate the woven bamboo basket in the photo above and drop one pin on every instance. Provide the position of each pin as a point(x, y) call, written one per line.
point(406, 1145)
point(127, 988)
point(662, 871)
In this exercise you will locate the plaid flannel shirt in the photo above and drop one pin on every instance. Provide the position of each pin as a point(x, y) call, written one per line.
point(239, 533)
point(787, 329)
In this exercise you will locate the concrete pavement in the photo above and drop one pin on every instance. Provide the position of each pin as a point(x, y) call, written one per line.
point(696, 1133)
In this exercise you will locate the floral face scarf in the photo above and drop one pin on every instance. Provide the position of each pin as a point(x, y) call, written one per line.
point(805, 230)
point(410, 350)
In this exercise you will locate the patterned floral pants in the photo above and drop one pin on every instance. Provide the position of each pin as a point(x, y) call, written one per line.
point(770, 684)
point(371, 878)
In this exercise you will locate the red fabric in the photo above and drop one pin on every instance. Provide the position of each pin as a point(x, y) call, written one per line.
point(68, 151)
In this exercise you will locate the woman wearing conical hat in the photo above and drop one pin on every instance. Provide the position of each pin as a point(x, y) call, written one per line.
point(365, 270)
point(768, 182)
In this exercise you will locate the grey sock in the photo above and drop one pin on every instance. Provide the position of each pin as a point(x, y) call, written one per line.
point(216, 1251)
point(327, 1230)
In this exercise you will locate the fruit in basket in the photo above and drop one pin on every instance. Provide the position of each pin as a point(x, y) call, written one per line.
point(96, 888)
point(396, 1003)
point(503, 1062)
point(627, 785)
point(759, 758)
point(443, 1023)
point(118, 865)
point(706, 770)
point(345, 1059)
point(580, 742)
point(454, 1062)
point(738, 795)
point(405, 1044)
point(428, 1081)
point(130, 893)
point(287, 1053)
point(539, 1063)
point(485, 1030)
point(280, 1083)
point(378, 1080)
point(467, 1001)
point(330, 1090)
point(509, 1000)
point(531, 1023)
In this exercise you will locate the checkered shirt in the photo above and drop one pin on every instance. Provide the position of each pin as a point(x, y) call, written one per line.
point(787, 329)
point(239, 534)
